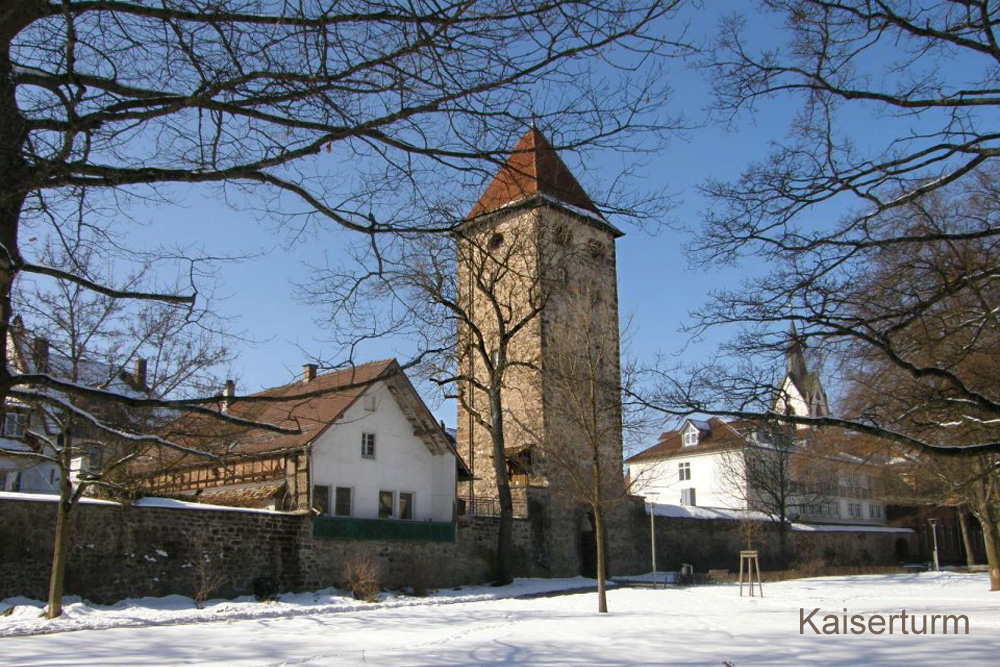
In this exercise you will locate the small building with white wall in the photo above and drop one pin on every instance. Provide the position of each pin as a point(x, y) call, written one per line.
point(704, 462)
point(358, 443)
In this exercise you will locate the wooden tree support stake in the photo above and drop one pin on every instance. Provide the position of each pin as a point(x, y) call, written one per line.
point(752, 563)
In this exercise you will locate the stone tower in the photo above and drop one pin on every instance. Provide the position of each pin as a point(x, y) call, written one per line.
point(531, 252)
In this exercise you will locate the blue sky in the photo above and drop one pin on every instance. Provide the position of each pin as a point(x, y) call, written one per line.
point(657, 286)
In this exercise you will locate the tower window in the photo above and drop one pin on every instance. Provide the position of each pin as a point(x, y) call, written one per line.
point(596, 248)
point(495, 242)
point(561, 235)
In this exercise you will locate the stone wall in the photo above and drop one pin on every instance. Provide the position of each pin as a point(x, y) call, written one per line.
point(118, 552)
point(714, 544)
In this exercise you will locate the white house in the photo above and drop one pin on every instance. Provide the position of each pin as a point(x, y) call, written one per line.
point(704, 464)
point(373, 464)
point(736, 465)
point(365, 446)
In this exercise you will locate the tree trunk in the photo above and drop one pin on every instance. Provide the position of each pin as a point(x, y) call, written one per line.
point(602, 593)
point(782, 543)
point(985, 511)
point(992, 538)
point(505, 532)
point(970, 558)
point(13, 171)
point(61, 542)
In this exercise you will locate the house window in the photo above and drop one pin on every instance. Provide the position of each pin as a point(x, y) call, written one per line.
point(683, 471)
point(405, 505)
point(385, 503)
point(321, 499)
point(688, 497)
point(370, 403)
point(368, 445)
point(14, 424)
point(874, 511)
point(9, 480)
point(342, 499)
point(854, 510)
point(690, 437)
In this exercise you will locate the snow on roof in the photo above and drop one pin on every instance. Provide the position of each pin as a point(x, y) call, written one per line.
point(693, 512)
point(837, 528)
point(48, 498)
point(161, 503)
point(12, 445)
point(721, 513)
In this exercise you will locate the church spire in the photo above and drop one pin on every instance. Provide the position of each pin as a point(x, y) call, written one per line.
point(795, 360)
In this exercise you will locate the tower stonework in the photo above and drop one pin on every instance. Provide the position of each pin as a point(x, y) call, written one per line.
point(536, 257)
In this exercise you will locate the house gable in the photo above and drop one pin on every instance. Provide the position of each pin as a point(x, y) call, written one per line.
point(372, 451)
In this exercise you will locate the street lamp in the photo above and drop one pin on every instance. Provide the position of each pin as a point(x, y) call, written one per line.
point(934, 523)
point(652, 538)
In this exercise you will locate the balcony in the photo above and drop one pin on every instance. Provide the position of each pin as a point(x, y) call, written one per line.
point(341, 528)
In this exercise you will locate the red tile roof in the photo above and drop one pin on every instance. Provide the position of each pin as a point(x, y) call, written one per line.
point(311, 407)
point(722, 435)
point(257, 496)
point(532, 169)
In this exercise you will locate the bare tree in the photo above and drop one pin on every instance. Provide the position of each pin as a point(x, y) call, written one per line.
point(141, 350)
point(580, 435)
point(968, 487)
point(101, 102)
point(830, 201)
point(782, 474)
point(913, 327)
point(470, 304)
point(358, 115)
point(759, 475)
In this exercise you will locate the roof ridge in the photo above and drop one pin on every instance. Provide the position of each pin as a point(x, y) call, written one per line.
point(298, 383)
point(542, 173)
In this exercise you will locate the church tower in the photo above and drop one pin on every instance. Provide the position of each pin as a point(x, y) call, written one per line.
point(536, 266)
point(801, 393)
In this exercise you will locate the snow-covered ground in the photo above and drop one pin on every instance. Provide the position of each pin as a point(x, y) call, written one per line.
point(705, 625)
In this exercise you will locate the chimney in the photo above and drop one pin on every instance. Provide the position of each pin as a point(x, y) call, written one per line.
point(308, 373)
point(228, 395)
point(139, 373)
point(40, 354)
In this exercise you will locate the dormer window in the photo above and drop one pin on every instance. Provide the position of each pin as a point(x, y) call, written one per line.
point(690, 436)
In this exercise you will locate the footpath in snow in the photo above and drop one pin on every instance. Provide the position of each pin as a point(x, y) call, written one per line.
point(701, 626)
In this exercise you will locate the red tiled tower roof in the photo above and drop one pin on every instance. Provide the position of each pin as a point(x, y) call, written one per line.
point(533, 169)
